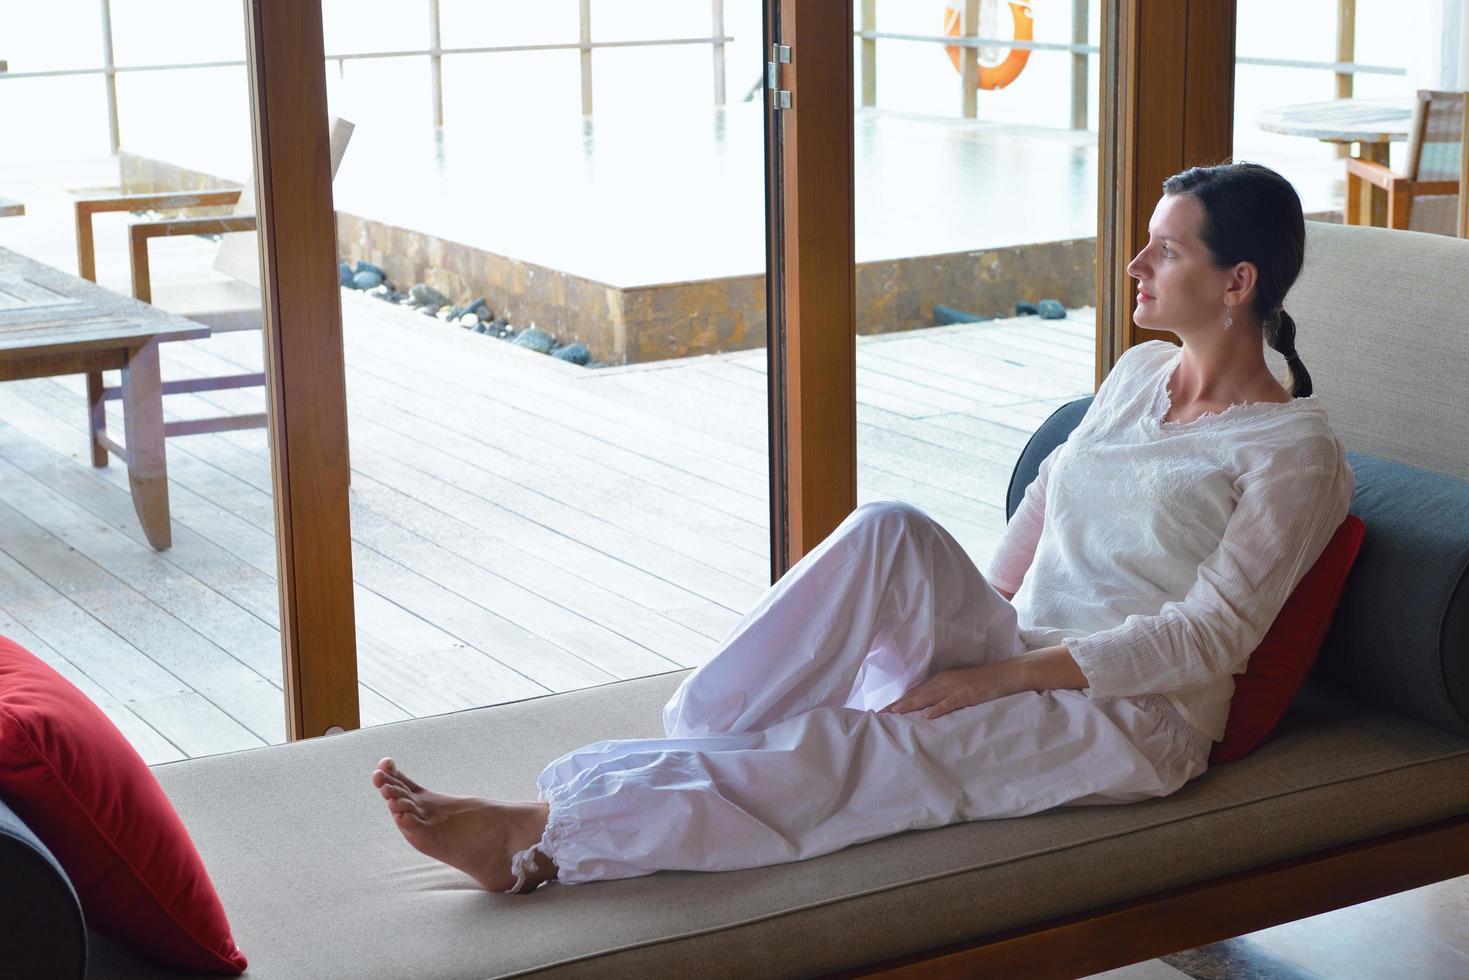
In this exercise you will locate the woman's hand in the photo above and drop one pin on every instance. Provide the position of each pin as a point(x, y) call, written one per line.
point(954, 689)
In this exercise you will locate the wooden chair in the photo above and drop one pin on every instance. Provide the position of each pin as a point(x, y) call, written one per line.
point(224, 305)
point(1431, 196)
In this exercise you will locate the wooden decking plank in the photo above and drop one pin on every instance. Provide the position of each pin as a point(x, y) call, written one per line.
point(1022, 342)
point(568, 554)
point(549, 666)
point(231, 581)
point(688, 572)
point(510, 562)
point(520, 440)
point(481, 625)
point(964, 393)
point(472, 362)
point(708, 618)
point(147, 689)
point(968, 357)
point(79, 483)
point(732, 543)
point(979, 480)
point(246, 637)
point(991, 440)
point(242, 693)
point(470, 675)
point(540, 453)
point(151, 745)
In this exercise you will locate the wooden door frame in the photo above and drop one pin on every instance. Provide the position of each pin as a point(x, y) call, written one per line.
point(304, 365)
point(811, 278)
point(1167, 81)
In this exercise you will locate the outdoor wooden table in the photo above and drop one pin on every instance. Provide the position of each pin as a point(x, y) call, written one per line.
point(1373, 124)
point(11, 209)
point(54, 323)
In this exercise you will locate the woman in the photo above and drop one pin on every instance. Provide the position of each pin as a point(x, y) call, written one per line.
point(884, 684)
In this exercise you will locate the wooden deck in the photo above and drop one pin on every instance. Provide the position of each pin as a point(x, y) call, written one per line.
point(520, 526)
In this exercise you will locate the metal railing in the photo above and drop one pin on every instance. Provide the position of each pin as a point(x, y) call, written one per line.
point(435, 53)
point(969, 41)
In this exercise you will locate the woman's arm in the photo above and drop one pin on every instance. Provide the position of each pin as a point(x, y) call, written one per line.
point(1016, 549)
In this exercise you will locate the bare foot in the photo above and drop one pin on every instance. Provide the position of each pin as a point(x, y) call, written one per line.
point(475, 835)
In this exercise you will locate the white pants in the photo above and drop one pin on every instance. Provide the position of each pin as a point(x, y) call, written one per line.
point(774, 750)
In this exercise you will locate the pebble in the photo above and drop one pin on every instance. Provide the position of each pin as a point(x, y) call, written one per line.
point(469, 320)
point(575, 353)
point(1023, 308)
point(1051, 309)
point(537, 340)
point(426, 295)
point(944, 315)
point(344, 275)
point(367, 279)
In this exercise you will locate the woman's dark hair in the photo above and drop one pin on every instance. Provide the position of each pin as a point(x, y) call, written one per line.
point(1252, 214)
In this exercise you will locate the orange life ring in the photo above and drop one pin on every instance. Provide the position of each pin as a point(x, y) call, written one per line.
point(995, 76)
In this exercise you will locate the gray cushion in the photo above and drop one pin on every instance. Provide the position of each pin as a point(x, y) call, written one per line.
point(41, 930)
point(1400, 638)
point(317, 882)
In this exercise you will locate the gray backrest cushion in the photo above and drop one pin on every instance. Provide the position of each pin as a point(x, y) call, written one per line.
point(41, 929)
point(1400, 637)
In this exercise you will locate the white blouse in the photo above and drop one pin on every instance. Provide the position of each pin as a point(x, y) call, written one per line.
point(1159, 553)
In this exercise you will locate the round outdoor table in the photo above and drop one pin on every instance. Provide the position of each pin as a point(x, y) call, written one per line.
point(1373, 124)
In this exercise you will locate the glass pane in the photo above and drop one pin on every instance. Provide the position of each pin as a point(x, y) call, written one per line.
point(528, 522)
point(143, 568)
point(971, 214)
point(493, 23)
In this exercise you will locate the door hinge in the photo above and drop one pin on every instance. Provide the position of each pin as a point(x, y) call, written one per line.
point(780, 54)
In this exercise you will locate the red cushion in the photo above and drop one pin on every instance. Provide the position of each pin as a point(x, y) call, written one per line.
point(1279, 665)
point(68, 773)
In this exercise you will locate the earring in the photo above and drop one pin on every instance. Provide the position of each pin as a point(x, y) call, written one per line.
point(1228, 320)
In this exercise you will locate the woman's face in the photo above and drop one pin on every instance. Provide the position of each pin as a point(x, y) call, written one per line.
point(1178, 286)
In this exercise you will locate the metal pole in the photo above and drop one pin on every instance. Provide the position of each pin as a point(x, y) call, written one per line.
point(110, 68)
point(969, 59)
point(1346, 45)
point(1080, 14)
point(585, 14)
point(716, 8)
point(436, 64)
point(869, 53)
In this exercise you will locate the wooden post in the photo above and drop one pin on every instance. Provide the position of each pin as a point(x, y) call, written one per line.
point(969, 59)
point(585, 18)
point(812, 283)
point(1167, 104)
point(1080, 81)
point(1346, 50)
point(869, 53)
point(436, 64)
point(109, 66)
point(306, 390)
point(716, 9)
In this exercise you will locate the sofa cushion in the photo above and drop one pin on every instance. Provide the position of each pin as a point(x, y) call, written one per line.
point(320, 883)
point(41, 929)
point(1401, 635)
point(1278, 667)
point(1400, 638)
point(73, 778)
